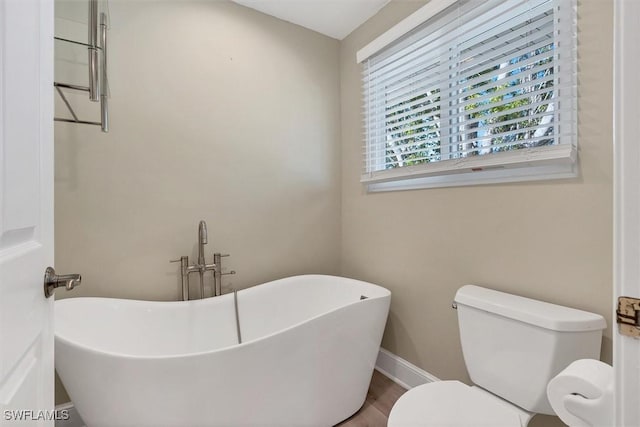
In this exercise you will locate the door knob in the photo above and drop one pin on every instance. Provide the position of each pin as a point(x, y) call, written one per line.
point(53, 281)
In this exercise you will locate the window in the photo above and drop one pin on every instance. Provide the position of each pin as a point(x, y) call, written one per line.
point(470, 92)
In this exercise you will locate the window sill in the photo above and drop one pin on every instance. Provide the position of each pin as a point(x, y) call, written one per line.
point(540, 163)
point(485, 177)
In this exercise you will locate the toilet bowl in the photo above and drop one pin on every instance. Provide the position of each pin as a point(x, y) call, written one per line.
point(512, 347)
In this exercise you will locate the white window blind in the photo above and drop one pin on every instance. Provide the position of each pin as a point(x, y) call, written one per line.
point(482, 85)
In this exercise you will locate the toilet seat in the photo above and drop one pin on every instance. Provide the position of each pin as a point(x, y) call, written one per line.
point(454, 404)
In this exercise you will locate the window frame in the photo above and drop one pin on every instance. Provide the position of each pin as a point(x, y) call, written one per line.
point(555, 161)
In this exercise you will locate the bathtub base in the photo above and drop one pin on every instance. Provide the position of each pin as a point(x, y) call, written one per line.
point(313, 373)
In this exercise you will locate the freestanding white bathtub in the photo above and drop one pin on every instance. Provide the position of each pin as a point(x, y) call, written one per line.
point(309, 346)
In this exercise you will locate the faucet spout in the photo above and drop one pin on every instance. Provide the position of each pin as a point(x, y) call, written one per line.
point(202, 232)
point(201, 267)
point(202, 240)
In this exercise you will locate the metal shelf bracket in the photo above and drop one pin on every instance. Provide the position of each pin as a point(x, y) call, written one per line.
point(98, 88)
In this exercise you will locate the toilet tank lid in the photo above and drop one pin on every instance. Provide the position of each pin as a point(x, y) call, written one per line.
point(538, 313)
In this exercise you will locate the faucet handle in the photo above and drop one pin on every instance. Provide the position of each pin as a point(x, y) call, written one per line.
point(231, 272)
point(224, 255)
point(182, 258)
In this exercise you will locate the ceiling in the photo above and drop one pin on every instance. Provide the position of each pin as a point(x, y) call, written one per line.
point(334, 18)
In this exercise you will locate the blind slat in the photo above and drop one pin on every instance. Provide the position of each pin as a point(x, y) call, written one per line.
point(380, 152)
point(458, 154)
point(491, 51)
point(439, 31)
point(484, 112)
point(462, 153)
point(416, 115)
point(431, 83)
point(453, 148)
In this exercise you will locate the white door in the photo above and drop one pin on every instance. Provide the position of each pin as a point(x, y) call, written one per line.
point(26, 211)
point(626, 359)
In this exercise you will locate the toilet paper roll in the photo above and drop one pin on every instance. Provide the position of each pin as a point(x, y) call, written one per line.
point(582, 394)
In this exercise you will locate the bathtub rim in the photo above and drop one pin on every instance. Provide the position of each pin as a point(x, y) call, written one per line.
point(386, 294)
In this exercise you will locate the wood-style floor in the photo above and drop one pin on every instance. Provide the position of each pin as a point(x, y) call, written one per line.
point(383, 393)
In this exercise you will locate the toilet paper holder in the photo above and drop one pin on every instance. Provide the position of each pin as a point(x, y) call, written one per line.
point(628, 316)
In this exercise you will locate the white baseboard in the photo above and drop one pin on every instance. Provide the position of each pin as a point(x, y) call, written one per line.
point(74, 418)
point(402, 372)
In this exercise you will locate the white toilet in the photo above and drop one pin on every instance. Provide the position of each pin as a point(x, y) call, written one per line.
point(512, 347)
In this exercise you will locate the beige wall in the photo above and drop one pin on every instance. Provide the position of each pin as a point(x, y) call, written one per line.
point(545, 240)
point(218, 113)
point(225, 114)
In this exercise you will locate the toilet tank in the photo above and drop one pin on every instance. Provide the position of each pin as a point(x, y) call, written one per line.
point(513, 346)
